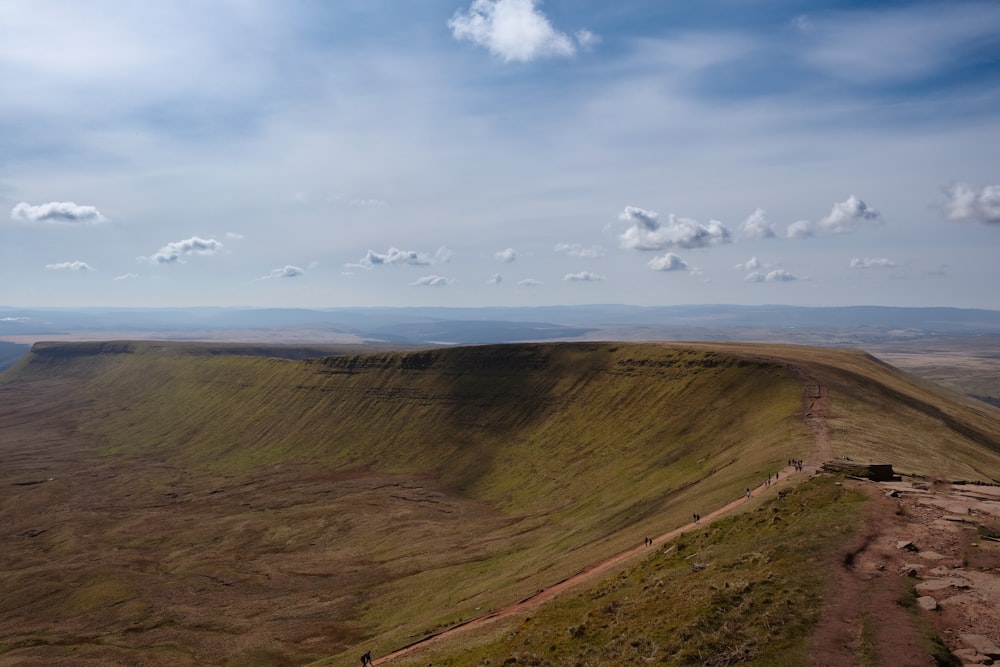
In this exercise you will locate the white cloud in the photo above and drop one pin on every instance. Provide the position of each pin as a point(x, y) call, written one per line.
point(126, 276)
point(667, 262)
point(872, 263)
point(844, 218)
point(580, 251)
point(800, 229)
point(514, 30)
point(645, 232)
point(376, 203)
point(411, 257)
point(802, 23)
point(529, 282)
point(174, 253)
point(69, 266)
point(775, 276)
point(495, 279)
point(507, 255)
point(583, 276)
point(431, 281)
point(234, 235)
point(752, 264)
point(287, 271)
point(757, 226)
point(966, 202)
point(587, 39)
point(58, 212)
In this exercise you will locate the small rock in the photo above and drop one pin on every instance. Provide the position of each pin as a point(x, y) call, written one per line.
point(970, 656)
point(982, 644)
point(906, 544)
point(927, 603)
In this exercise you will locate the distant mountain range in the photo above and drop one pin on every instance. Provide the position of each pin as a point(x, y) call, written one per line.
point(422, 326)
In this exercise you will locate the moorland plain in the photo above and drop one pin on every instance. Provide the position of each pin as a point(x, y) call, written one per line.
point(174, 505)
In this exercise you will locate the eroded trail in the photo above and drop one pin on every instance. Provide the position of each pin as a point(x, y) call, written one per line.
point(815, 411)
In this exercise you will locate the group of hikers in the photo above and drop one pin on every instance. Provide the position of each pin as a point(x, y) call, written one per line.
point(797, 463)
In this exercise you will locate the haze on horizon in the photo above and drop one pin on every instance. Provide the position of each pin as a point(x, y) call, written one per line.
point(499, 153)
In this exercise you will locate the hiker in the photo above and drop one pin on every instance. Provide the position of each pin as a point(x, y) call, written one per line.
point(366, 659)
point(748, 492)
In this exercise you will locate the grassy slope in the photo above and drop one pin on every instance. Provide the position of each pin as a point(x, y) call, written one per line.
point(745, 589)
point(564, 453)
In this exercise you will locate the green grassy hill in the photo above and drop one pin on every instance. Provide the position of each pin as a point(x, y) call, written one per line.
point(192, 506)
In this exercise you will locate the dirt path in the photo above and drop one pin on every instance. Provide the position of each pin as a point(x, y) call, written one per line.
point(868, 618)
point(587, 574)
point(815, 404)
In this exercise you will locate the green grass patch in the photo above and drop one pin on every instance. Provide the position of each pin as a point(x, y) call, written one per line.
point(747, 589)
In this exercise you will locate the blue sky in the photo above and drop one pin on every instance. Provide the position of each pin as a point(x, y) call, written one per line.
point(306, 153)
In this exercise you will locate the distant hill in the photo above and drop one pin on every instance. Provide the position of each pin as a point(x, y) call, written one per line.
point(458, 326)
point(188, 504)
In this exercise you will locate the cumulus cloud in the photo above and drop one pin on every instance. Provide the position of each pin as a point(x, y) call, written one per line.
point(775, 276)
point(495, 279)
point(287, 271)
point(529, 282)
point(583, 276)
point(431, 281)
point(757, 226)
point(580, 251)
point(844, 218)
point(69, 266)
point(411, 257)
point(667, 262)
point(752, 264)
point(966, 202)
point(645, 232)
point(58, 212)
point(515, 30)
point(872, 263)
point(506, 255)
point(174, 253)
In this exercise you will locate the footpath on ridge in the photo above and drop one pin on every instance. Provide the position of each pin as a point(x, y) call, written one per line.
point(815, 401)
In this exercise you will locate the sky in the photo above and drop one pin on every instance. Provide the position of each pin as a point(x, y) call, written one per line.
point(315, 154)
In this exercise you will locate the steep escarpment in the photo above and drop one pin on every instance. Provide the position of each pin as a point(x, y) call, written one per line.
point(155, 495)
